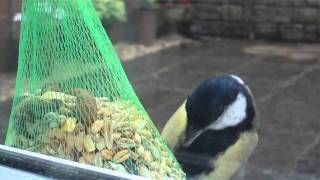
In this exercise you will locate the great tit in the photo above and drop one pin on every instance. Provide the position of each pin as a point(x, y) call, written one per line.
point(215, 130)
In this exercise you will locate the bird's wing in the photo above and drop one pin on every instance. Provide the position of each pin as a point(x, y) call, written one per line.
point(174, 130)
point(230, 161)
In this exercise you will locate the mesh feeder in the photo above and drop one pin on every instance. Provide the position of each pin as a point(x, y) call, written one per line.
point(73, 99)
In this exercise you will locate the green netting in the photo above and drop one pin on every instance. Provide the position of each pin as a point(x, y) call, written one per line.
point(73, 99)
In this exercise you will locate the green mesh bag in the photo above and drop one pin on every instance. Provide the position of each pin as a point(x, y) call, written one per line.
point(73, 99)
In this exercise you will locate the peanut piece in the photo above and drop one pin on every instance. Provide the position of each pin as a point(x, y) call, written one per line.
point(78, 141)
point(106, 154)
point(96, 126)
point(69, 125)
point(100, 144)
point(147, 156)
point(137, 138)
point(88, 144)
point(121, 156)
point(140, 151)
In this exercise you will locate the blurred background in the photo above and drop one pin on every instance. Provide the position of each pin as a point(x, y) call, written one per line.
point(168, 47)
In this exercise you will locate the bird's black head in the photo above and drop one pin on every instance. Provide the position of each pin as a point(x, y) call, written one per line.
point(219, 103)
point(218, 111)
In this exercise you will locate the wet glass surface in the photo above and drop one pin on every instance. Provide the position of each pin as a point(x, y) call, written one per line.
point(283, 76)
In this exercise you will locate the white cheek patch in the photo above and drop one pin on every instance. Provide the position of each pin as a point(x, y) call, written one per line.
point(233, 115)
point(237, 78)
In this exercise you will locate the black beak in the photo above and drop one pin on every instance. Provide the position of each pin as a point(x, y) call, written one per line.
point(191, 135)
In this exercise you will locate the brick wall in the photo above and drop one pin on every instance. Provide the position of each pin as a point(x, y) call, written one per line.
point(276, 19)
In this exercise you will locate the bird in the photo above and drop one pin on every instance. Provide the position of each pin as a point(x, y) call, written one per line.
point(215, 130)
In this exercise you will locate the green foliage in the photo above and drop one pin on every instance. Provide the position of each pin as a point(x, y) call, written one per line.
point(111, 10)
